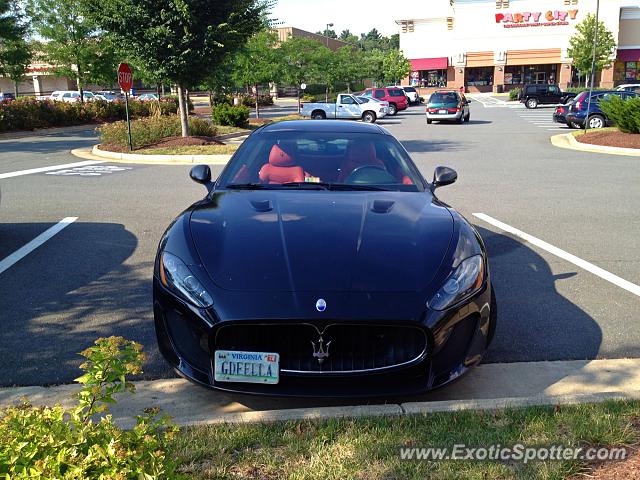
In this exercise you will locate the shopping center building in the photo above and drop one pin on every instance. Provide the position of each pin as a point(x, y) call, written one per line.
point(496, 45)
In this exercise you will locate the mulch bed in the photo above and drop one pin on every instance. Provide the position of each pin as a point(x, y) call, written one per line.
point(167, 142)
point(259, 121)
point(611, 139)
point(627, 469)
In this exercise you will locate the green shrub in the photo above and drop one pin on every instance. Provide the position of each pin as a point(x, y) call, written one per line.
point(51, 442)
point(308, 98)
point(624, 113)
point(150, 130)
point(582, 89)
point(514, 93)
point(250, 100)
point(225, 114)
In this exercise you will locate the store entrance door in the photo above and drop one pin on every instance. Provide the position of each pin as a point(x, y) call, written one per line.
point(540, 77)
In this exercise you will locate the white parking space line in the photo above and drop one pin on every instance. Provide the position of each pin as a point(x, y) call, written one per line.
point(19, 173)
point(590, 267)
point(22, 252)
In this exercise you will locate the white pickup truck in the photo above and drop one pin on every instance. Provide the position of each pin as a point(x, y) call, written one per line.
point(347, 106)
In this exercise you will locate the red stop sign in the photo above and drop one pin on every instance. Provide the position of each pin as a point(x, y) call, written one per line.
point(125, 77)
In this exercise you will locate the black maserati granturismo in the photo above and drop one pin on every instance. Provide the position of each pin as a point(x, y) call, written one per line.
point(321, 263)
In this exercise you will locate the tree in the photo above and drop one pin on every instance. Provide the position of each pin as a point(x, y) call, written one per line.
point(15, 57)
point(11, 26)
point(395, 66)
point(347, 36)
point(299, 56)
point(327, 33)
point(581, 46)
point(72, 43)
point(182, 41)
point(258, 63)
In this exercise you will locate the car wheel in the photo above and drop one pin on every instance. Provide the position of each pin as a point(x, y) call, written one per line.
point(318, 116)
point(369, 117)
point(459, 120)
point(429, 121)
point(493, 317)
point(573, 125)
point(596, 121)
point(531, 103)
point(393, 109)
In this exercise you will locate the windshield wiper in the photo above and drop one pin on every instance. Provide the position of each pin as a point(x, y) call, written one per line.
point(248, 186)
point(307, 185)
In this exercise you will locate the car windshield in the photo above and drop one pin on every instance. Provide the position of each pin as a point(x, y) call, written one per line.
point(443, 97)
point(327, 160)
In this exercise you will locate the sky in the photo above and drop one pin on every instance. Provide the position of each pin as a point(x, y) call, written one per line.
point(359, 16)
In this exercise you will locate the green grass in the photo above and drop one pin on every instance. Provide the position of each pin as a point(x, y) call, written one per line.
point(192, 150)
point(581, 131)
point(225, 129)
point(368, 448)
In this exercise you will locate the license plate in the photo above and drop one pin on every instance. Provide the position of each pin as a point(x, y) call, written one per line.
point(246, 367)
point(442, 111)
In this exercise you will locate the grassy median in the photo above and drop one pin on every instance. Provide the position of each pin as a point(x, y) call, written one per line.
point(369, 448)
point(191, 150)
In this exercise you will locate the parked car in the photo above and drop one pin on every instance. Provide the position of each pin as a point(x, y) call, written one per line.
point(384, 103)
point(411, 93)
point(146, 97)
point(346, 106)
point(533, 95)
point(597, 118)
point(394, 95)
point(65, 96)
point(448, 105)
point(560, 116)
point(321, 263)
point(629, 87)
point(6, 96)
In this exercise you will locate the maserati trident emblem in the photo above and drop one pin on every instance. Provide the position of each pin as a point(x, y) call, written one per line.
point(321, 351)
point(321, 305)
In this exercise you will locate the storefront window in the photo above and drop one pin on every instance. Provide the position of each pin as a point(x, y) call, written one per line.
point(430, 78)
point(631, 71)
point(478, 76)
point(521, 74)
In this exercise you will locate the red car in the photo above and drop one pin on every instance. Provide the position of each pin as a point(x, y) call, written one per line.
point(395, 96)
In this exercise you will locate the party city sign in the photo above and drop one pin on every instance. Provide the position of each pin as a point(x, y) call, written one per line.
point(536, 19)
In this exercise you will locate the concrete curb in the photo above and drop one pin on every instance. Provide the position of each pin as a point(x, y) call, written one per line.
point(568, 141)
point(486, 387)
point(96, 154)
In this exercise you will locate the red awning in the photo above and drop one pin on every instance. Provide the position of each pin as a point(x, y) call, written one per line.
point(629, 55)
point(429, 63)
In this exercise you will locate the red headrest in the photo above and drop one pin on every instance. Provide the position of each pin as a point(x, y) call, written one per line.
point(279, 158)
point(362, 151)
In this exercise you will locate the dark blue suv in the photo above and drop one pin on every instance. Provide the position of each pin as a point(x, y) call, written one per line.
point(597, 118)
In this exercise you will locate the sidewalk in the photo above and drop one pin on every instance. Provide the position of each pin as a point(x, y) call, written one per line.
point(486, 387)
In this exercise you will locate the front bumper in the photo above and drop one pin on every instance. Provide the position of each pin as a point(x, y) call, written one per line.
point(444, 116)
point(457, 341)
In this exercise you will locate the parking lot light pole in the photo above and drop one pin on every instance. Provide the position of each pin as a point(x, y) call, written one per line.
point(326, 32)
point(593, 66)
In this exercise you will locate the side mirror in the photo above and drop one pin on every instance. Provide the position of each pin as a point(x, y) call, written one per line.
point(201, 174)
point(443, 176)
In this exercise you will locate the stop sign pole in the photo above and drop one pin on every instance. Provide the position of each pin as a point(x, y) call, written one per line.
point(125, 80)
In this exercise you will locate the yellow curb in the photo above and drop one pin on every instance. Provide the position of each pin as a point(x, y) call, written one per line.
point(96, 154)
point(568, 141)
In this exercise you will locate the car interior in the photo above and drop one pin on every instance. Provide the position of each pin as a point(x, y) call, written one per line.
point(347, 161)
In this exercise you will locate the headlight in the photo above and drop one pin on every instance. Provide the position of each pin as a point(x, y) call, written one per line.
point(465, 280)
point(175, 275)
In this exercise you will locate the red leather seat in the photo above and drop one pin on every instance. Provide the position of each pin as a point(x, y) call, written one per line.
point(281, 167)
point(359, 154)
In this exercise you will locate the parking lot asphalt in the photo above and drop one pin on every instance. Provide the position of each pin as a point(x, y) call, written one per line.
point(92, 277)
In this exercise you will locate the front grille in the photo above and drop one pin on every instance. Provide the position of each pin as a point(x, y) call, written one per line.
point(350, 347)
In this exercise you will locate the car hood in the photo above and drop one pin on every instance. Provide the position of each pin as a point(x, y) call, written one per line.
point(321, 241)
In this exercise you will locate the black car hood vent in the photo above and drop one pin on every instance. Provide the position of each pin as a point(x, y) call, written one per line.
point(321, 241)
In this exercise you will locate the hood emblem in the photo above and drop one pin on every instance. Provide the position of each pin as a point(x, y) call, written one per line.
point(321, 351)
point(321, 305)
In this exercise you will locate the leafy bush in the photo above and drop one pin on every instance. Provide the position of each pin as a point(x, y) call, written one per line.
point(250, 100)
point(150, 130)
point(224, 114)
point(624, 113)
point(308, 98)
point(582, 89)
point(514, 93)
point(51, 442)
point(29, 113)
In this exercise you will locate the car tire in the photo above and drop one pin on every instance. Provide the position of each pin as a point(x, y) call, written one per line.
point(318, 115)
point(467, 118)
point(369, 117)
point(531, 103)
point(596, 121)
point(393, 110)
point(573, 125)
point(429, 121)
point(460, 120)
point(493, 317)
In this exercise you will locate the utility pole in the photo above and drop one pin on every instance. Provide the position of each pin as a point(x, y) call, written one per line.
point(593, 66)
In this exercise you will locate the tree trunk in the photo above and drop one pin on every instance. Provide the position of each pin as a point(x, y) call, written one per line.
point(257, 106)
point(15, 89)
point(158, 89)
point(210, 92)
point(326, 94)
point(81, 90)
point(162, 87)
point(298, 95)
point(182, 110)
